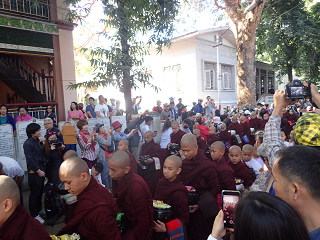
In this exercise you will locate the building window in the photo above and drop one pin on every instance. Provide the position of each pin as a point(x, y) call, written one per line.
point(226, 75)
point(210, 81)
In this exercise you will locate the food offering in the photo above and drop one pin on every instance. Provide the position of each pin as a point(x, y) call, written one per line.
point(193, 195)
point(74, 236)
point(162, 211)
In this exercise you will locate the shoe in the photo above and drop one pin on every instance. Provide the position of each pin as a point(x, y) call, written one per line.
point(42, 212)
point(39, 219)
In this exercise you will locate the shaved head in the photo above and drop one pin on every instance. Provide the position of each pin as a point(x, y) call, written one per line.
point(212, 128)
point(197, 131)
point(124, 141)
point(234, 118)
point(234, 148)
point(243, 118)
point(223, 125)
point(176, 160)
point(74, 166)
point(69, 154)
point(175, 123)
point(188, 139)
point(247, 147)
point(219, 145)
point(149, 133)
point(121, 158)
point(9, 190)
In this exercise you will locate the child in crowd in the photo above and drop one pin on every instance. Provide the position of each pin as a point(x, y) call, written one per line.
point(283, 136)
point(174, 193)
point(213, 137)
point(224, 135)
point(96, 171)
point(202, 146)
point(241, 170)
point(247, 153)
point(246, 129)
point(224, 171)
point(256, 156)
point(123, 146)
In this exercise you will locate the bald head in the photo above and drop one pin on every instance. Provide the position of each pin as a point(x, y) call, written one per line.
point(243, 118)
point(219, 145)
point(188, 139)
point(175, 123)
point(234, 118)
point(177, 161)
point(9, 190)
point(124, 142)
point(247, 147)
point(234, 148)
point(149, 134)
point(69, 154)
point(74, 166)
point(121, 158)
point(197, 131)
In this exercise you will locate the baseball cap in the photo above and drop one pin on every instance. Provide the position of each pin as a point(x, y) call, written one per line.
point(307, 131)
point(247, 112)
point(98, 166)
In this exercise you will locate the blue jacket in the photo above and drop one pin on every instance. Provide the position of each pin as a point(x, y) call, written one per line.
point(134, 141)
point(198, 108)
point(10, 120)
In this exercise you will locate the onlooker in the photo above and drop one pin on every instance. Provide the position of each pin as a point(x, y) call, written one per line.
point(113, 105)
point(148, 121)
point(5, 118)
point(136, 106)
point(179, 105)
point(101, 109)
point(185, 126)
point(271, 90)
point(209, 106)
point(87, 142)
point(165, 136)
point(90, 109)
point(192, 117)
point(36, 170)
point(193, 106)
point(48, 125)
point(117, 136)
point(51, 114)
point(74, 113)
point(166, 114)
point(173, 111)
point(260, 215)
point(81, 106)
point(184, 113)
point(158, 108)
point(171, 100)
point(24, 116)
point(117, 111)
point(199, 108)
point(204, 130)
point(137, 140)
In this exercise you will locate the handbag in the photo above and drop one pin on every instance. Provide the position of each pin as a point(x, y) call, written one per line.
point(208, 205)
point(111, 148)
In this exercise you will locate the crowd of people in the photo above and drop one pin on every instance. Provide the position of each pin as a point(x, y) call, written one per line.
point(252, 150)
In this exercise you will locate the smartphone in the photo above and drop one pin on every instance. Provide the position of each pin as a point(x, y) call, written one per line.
point(59, 144)
point(94, 128)
point(229, 202)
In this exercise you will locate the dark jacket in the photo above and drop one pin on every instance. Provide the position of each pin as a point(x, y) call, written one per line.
point(34, 156)
point(10, 120)
point(134, 141)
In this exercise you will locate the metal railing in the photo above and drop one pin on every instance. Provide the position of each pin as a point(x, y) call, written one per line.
point(36, 110)
point(31, 9)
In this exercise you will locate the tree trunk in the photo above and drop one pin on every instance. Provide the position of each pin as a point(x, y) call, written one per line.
point(289, 66)
point(246, 25)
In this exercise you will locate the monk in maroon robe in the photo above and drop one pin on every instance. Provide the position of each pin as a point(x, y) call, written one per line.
point(202, 145)
point(176, 134)
point(213, 137)
point(255, 123)
point(240, 169)
point(123, 146)
point(200, 173)
point(95, 214)
point(15, 222)
point(246, 129)
point(172, 192)
point(224, 135)
point(152, 173)
point(133, 197)
point(265, 119)
point(224, 171)
point(236, 126)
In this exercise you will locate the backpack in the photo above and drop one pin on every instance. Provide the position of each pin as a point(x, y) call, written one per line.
point(53, 204)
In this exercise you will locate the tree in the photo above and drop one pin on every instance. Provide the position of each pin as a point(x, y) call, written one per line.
point(121, 64)
point(245, 23)
point(288, 37)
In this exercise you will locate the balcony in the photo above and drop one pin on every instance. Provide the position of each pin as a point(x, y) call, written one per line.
point(29, 9)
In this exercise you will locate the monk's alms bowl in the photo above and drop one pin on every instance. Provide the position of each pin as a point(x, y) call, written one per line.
point(162, 212)
point(193, 198)
point(174, 148)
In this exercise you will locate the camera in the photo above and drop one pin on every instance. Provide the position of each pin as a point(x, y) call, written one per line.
point(296, 90)
point(174, 148)
point(143, 161)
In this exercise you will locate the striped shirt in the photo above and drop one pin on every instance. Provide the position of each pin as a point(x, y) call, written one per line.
point(86, 151)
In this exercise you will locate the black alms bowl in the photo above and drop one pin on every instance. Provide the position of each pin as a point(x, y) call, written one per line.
point(174, 148)
point(164, 215)
point(193, 198)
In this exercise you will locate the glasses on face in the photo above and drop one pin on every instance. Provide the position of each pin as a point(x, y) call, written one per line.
point(49, 108)
point(47, 124)
point(50, 133)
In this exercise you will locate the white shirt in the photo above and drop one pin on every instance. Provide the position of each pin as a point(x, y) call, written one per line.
point(98, 177)
point(102, 109)
point(254, 165)
point(259, 160)
point(288, 144)
point(11, 167)
point(211, 238)
point(145, 129)
point(165, 138)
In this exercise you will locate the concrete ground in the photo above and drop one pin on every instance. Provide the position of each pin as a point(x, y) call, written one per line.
point(51, 230)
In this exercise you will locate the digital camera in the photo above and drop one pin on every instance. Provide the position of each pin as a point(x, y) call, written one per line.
point(143, 161)
point(296, 90)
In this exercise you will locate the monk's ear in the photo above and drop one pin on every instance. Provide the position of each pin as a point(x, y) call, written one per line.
point(179, 170)
point(127, 170)
point(7, 205)
point(84, 176)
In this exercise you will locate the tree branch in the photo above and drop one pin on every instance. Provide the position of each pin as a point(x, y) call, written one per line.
point(218, 6)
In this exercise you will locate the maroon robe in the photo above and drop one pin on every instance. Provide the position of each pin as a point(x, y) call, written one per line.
point(242, 171)
point(246, 131)
point(176, 137)
point(264, 122)
point(176, 195)
point(151, 175)
point(95, 214)
point(202, 146)
point(212, 138)
point(133, 162)
point(256, 124)
point(201, 174)
point(290, 117)
point(236, 127)
point(225, 175)
point(225, 136)
point(134, 197)
point(21, 226)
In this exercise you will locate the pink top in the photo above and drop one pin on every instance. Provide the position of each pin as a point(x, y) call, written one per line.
point(77, 113)
point(26, 118)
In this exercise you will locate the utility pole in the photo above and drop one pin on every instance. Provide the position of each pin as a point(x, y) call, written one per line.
point(218, 69)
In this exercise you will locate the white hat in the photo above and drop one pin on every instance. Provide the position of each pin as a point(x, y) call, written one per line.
point(216, 120)
point(247, 112)
point(198, 115)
